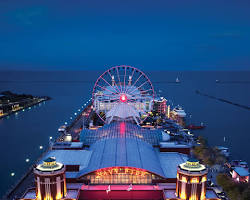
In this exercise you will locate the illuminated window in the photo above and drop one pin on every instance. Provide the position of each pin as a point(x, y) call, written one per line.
point(194, 180)
point(184, 179)
point(204, 178)
point(121, 176)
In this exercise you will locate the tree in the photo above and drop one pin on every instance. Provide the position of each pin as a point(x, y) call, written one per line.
point(225, 182)
point(246, 194)
point(234, 194)
point(202, 141)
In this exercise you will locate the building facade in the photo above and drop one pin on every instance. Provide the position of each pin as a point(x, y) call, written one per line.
point(50, 180)
point(191, 180)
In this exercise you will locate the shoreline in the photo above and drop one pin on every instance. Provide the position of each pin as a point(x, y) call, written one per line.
point(35, 102)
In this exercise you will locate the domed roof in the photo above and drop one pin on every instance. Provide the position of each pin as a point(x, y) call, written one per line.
point(49, 164)
point(192, 165)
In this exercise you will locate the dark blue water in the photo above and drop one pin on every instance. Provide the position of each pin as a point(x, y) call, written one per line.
point(22, 134)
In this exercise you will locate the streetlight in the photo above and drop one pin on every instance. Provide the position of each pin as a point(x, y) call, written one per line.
point(40, 147)
point(27, 160)
point(12, 174)
point(50, 137)
point(65, 123)
point(75, 113)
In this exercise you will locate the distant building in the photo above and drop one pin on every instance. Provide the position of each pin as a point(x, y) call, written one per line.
point(15, 107)
point(239, 171)
point(240, 174)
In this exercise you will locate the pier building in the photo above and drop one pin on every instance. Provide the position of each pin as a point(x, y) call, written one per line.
point(160, 105)
point(240, 174)
point(50, 180)
point(121, 159)
point(191, 180)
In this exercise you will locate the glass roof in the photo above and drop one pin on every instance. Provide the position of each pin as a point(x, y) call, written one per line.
point(121, 130)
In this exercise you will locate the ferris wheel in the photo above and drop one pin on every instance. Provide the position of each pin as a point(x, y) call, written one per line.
point(123, 85)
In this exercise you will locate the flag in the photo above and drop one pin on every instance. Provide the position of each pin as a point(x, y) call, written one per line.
point(130, 187)
point(156, 187)
point(108, 190)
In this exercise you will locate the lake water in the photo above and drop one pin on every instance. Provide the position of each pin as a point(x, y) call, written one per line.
point(21, 134)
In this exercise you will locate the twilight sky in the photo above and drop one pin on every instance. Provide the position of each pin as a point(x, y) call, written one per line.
point(149, 34)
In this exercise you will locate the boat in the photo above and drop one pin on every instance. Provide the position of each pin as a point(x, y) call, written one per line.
point(195, 127)
point(223, 150)
point(177, 80)
point(178, 111)
point(62, 128)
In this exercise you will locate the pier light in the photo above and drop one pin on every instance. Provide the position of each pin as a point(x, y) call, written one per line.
point(75, 114)
point(82, 106)
point(79, 109)
point(71, 117)
point(65, 123)
point(50, 137)
point(40, 147)
point(12, 174)
point(27, 160)
point(85, 104)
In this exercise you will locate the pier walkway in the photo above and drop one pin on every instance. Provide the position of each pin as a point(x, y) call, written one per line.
point(27, 180)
